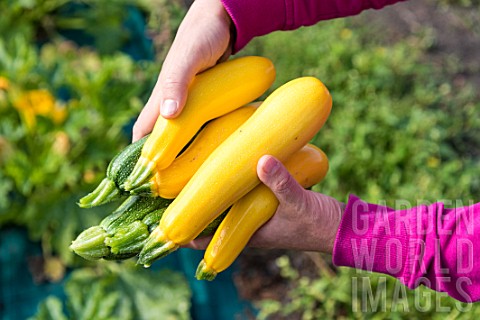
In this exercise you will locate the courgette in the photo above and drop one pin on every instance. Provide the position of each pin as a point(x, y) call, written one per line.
point(307, 166)
point(90, 244)
point(128, 239)
point(132, 209)
point(117, 172)
point(168, 183)
point(213, 93)
point(122, 233)
point(283, 124)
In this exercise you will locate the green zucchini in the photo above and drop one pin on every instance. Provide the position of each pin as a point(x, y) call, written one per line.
point(152, 219)
point(90, 244)
point(128, 239)
point(95, 243)
point(117, 172)
point(132, 209)
point(122, 234)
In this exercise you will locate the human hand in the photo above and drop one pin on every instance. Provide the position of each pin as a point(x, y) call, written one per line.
point(202, 40)
point(304, 220)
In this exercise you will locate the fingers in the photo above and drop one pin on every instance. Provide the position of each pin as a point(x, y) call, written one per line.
point(172, 85)
point(275, 176)
point(169, 94)
point(304, 220)
point(202, 41)
point(174, 89)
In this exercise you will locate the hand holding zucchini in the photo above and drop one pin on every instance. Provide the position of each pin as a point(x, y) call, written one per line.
point(308, 166)
point(166, 183)
point(283, 124)
point(215, 92)
point(169, 182)
point(176, 198)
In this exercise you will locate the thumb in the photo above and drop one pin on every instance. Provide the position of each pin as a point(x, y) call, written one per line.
point(167, 99)
point(275, 176)
point(173, 84)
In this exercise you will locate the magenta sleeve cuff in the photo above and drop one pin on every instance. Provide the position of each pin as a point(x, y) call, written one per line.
point(254, 18)
point(368, 239)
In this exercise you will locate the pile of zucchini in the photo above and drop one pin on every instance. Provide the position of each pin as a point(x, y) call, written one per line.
point(195, 175)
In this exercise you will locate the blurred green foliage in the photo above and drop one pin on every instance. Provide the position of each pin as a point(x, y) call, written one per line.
point(112, 291)
point(65, 110)
point(471, 4)
point(55, 148)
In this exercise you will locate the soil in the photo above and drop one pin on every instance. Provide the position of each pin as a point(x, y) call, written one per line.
point(455, 33)
point(259, 276)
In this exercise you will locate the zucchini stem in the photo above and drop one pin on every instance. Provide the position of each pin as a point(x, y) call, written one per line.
point(145, 189)
point(155, 249)
point(204, 272)
point(90, 244)
point(128, 239)
point(142, 172)
point(105, 192)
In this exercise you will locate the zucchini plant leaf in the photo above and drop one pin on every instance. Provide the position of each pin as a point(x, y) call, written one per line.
point(120, 291)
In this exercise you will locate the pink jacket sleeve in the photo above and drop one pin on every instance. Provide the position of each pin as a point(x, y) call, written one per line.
point(254, 18)
point(424, 245)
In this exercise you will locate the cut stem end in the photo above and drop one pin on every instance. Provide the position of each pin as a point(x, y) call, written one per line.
point(105, 192)
point(154, 250)
point(204, 272)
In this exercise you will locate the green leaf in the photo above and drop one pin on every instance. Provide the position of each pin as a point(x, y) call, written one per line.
point(120, 291)
point(50, 309)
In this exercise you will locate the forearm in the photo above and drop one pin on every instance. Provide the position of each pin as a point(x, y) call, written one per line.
point(254, 18)
point(428, 245)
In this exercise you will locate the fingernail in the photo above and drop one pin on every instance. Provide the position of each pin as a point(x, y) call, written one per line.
point(270, 166)
point(169, 107)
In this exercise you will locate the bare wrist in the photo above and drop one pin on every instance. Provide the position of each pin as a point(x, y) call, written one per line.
point(327, 222)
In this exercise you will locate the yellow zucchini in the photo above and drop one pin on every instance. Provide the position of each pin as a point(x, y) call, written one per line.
point(213, 93)
point(308, 166)
point(169, 182)
point(283, 124)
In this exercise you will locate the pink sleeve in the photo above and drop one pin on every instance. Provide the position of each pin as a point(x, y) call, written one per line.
point(424, 245)
point(254, 18)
